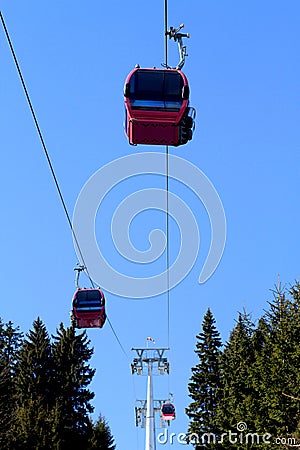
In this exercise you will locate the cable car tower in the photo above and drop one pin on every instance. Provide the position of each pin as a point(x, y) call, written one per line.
point(150, 361)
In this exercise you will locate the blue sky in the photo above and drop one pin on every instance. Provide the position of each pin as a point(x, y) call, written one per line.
point(243, 68)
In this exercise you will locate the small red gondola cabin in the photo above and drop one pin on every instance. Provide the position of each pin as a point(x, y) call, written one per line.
point(168, 411)
point(157, 107)
point(88, 308)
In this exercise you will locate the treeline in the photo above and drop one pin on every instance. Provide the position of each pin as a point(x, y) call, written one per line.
point(246, 394)
point(45, 403)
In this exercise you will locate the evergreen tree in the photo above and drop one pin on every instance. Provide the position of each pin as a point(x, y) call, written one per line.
point(294, 374)
point(4, 389)
point(10, 341)
point(6, 413)
point(33, 428)
point(281, 364)
point(260, 371)
point(34, 395)
point(204, 385)
point(259, 379)
point(34, 369)
point(237, 398)
point(73, 374)
point(44, 395)
point(102, 438)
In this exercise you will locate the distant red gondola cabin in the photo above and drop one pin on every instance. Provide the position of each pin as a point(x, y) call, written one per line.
point(88, 308)
point(168, 411)
point(157, 107)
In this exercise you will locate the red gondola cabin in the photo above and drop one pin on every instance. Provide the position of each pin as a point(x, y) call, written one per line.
point(157, 107)
point(88, 308)
point(168, 411)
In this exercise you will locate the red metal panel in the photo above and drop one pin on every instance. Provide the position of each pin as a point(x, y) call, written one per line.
point(153, 132)
point(89, 319)
point(91, 322)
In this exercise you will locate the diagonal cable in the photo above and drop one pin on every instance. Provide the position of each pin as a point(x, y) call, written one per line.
point(37, 126)
point(49, 161)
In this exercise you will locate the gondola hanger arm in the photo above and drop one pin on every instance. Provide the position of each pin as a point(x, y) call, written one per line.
point(174, 33)
point(78, 269)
